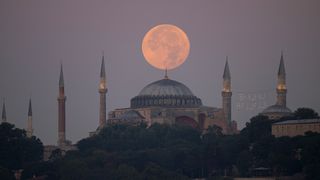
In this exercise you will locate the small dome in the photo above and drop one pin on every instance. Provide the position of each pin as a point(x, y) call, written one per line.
point(131, 116)
point(166, 87)
point(277, 109)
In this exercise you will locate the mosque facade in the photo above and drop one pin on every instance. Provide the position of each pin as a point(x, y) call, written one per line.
point(167, 101)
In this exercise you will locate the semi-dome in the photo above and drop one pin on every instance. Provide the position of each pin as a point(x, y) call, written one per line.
point(131, 115)
point(165, 92)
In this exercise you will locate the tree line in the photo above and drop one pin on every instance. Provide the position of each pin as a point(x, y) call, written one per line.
point(175, 152)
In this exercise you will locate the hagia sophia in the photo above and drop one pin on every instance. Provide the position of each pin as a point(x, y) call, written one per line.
point(169, 101)
point(166, 101)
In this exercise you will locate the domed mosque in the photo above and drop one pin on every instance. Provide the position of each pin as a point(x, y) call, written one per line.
point(167, 101)
point(279, 109)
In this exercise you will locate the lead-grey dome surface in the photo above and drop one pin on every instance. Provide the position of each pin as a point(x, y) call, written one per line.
point(166, 87)
point(131, 115)
point(277, 109)
point(165, 93)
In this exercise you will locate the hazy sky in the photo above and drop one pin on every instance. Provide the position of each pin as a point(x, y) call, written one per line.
point(36, 35)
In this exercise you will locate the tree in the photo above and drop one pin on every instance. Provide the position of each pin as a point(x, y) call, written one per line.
point(6, 174)
point(305, 113)
point(16, 149)
point(244, 162)
point(258, 127)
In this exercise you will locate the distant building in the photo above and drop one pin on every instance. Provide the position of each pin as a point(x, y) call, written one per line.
point(279, 109)
point(293, 128)
point(167, 101)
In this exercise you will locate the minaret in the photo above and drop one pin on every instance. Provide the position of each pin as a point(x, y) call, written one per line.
point(4, 114)
point(281, 87)
point(29, 128)
point(102, 90)
point(226, 92)
point(61, 111)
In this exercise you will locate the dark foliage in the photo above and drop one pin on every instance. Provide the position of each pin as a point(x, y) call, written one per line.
point(16, 149)
point(180, 152)
point(305, 113)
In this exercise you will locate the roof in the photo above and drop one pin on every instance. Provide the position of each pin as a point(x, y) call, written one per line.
point(102, 71)
point(281, 70)
point(226, 72)
point(166, 87)
point(299, 121)
point(131, 115)
point(277, 109)
point(30, 108)
point(61, 80)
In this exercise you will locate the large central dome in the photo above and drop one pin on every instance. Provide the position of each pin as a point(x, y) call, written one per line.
point(165, 93)
point(165, 87)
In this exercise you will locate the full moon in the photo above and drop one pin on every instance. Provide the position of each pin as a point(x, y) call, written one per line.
point(165, 46)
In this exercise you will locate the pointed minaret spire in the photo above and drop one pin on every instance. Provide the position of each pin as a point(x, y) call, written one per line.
point(102, 90)
point(102, 71)
point(29, 128)
point(226, 77)
point(281, 86)
point(281, 71)
point(226, 73)
point(61, 80)
point(4, 114)
point(226, 92)
point(30, 108)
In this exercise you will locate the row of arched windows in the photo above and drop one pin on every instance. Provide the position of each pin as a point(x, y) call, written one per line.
point(142, 101)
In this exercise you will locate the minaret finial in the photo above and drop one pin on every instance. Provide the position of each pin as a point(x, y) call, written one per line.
point(61, 79)
point(166, 74)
